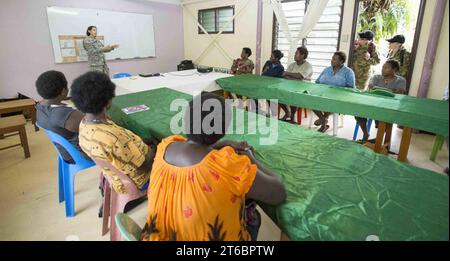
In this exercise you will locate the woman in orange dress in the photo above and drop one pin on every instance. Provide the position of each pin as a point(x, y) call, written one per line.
point(198, 186)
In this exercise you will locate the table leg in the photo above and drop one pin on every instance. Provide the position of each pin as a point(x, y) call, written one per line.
point(380, 135)
point(404, 144)
point(388, 136)
point(1, 135)
point(24, 141)
point(33, 118)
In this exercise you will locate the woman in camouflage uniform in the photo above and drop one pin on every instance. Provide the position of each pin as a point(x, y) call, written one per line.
point(399, 53)
point(364, 56)
point(95, 50)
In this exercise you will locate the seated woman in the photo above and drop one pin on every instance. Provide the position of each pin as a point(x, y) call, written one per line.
point(198, 185)
point(242, 65)
point(53, 115)
point(388, 80)
point(272, 68)
point(101, 138)
point(337, 75)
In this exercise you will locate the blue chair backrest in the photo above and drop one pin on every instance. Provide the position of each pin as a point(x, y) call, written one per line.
point(121, 75)
point(74, 153)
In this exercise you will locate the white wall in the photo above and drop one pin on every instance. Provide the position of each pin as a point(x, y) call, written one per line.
point(346, 28)
point(244, 35)
point(439, 77)
point(26, 49)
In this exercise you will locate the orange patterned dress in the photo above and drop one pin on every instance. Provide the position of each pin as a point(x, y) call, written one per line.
point(201, 202)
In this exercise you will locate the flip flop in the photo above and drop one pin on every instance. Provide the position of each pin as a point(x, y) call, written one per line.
point(324, 129)
point(284, 118)
point(371, 140)
point(317, 122)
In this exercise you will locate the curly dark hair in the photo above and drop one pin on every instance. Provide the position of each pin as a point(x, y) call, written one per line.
point(92, 91)
point(394, 64)
point(50, 84)
point(194, 125)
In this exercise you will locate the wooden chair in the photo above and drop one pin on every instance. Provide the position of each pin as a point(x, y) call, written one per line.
point(22, 105)
point(12, 125)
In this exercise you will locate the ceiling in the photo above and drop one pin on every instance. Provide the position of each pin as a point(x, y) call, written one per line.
point(177, 2)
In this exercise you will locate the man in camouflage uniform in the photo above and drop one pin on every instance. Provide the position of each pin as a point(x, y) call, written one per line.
point(364, 56)
point(399, 53)
point(95, 50)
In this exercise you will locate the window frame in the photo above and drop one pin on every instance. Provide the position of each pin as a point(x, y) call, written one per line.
point(304, 42)
point(216, 21)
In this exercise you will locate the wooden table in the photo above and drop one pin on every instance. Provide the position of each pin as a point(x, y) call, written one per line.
point(410, 112)
point(22, 105)
point(384, 137)
point(336, 189)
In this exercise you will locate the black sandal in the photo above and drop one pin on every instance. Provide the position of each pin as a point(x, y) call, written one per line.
point(323, 129)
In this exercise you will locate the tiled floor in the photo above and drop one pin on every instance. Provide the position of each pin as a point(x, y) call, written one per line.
point(29, 208)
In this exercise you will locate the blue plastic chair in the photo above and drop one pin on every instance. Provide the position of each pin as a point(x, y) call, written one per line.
point(355, 133)
point(67, 171)
point(121, 75)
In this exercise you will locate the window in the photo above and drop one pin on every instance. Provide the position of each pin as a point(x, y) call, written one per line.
point(321, 42)
point(216, 19)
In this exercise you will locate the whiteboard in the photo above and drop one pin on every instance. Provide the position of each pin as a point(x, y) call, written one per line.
point(134, 33)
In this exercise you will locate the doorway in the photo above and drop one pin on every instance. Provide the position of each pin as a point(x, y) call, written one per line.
point(387, 18)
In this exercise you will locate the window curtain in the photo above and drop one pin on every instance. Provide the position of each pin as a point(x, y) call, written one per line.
point(313, 13)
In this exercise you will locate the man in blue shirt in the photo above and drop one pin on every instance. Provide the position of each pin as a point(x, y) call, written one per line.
point(337, 75)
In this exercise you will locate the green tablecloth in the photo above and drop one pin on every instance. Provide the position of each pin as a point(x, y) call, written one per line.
point(337, 189)
point(418, 113)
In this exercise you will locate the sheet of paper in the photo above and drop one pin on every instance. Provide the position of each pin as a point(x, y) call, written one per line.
point(134, 109)
point(66, 43)
point(68, 52)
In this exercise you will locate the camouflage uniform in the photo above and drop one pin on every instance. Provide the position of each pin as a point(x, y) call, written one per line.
point(96, 56)
point(362, 67)
point(403, 61)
